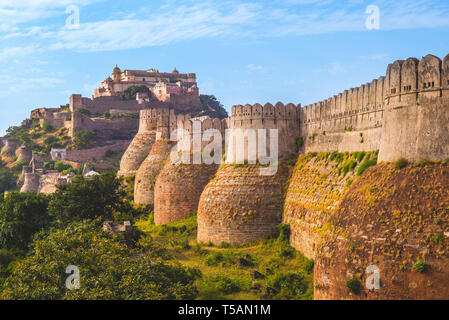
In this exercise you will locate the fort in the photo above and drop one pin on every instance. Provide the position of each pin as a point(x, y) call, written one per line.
point(342, 213)
point(403, 114)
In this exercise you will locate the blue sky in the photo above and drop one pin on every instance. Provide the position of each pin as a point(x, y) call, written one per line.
point(299, 51)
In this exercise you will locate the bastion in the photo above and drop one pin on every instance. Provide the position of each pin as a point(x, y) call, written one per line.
point(392, 222)
point(178, 189)
point(239, 205)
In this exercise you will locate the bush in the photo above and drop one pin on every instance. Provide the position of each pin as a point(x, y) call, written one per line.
point(21, 216)
point(359, 156)
point(107, 272)
point(284, 232)
point(61, 166)
point(84, 139)
point(47, 127)
point(308, 266)
point(7, 180)
point(84, 198)
point(420, 266)
point(365, 165)
point(286, 252)
point(289, 285)
point(131, 92)
point(353, 285)
point(348, 165)
point(423, 163)
point(400, 163)
point(224, 284)
point(84, 111)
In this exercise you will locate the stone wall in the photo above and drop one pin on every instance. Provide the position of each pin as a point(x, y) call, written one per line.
point(417, 110)
point(95, 153)
point(239, 205)
point(178, 189)
point(316, 188)
point(107, 129)
point(284, 118)
point(140, 146)
point(148, 171)
point(391, 219)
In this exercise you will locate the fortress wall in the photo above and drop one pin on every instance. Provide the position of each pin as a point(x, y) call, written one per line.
point(94, 153)
point(115, 129)
point(392, 229)
point(140, 146)
point(148, 171)
point(103, 104)
point(284, 118)
point(239, 205)
point(31, 182)
point(178, 189)
point(417, 111)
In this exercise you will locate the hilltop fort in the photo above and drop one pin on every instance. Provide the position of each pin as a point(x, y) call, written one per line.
point(339, 186)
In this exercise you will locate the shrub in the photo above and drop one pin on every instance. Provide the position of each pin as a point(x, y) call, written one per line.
point(365, 165)
point(420, 266)
point(348, 165)
point(107, 272)
point(47, 127)
point(21, 216)
point(437, 239)
point(423, 163)
point(85, 198)
point(308, 266)
point(359, 156)
point(400, 163)
point(214, 259)
point(300, 142)
point(284, 232)
point(84, 111)
point(286, 252)
point(61, 166)
point(353, 285)
point(289, 285)
point(84, 139)
point(131, 92)
point(7, 180)
point(224, 284)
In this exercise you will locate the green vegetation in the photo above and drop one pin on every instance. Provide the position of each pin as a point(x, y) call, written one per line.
point(84, 111)
point(22, 215)
point(210, 104)
point(84, 139)
point(7, 180)
point(131, 92)
point(260, 270)
point(99, 196)
point(353, 285)
point(400, 163)
point(47, 127)
point(366, 164)
point(420, 266)
point(106, 268)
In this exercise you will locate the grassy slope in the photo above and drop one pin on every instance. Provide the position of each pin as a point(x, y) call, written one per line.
point(272, 254)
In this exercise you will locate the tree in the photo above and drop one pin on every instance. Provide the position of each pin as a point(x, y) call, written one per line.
point(21, 216)
point(131, 92)
point(98, 196)
point(105, 268)
point(7, 180)
point(84, 139)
